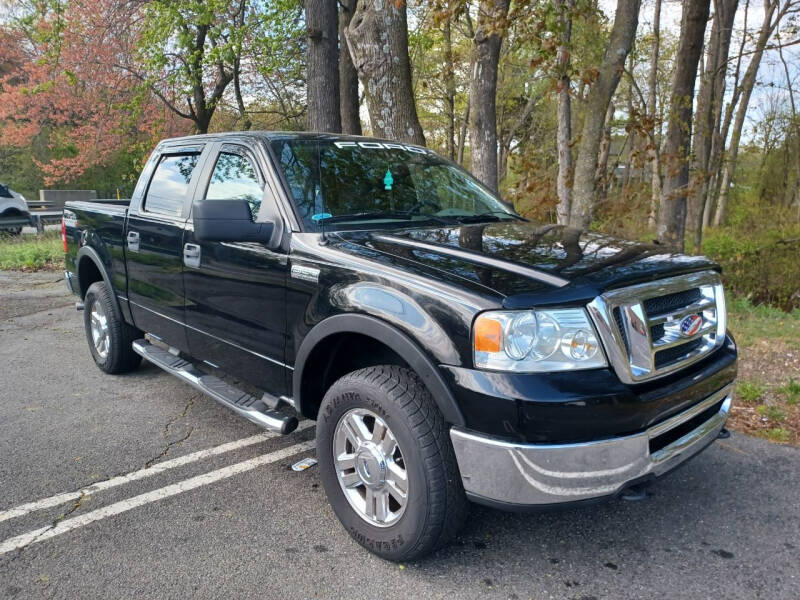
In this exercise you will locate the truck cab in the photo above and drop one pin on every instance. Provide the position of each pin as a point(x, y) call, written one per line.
point(448, 349)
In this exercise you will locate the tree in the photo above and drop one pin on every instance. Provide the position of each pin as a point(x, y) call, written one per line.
point(675, 153)
point(322, 80)
point(349, 104)
point(483, 90)
point(791, 194)
point(746, 90)
point(185, 54)
point(652, 95)
point(564, 139)
point(237, 64)
point(378, 41)
point(709, 111)
point(63, 97)
point(450, 87)
point(608, 75)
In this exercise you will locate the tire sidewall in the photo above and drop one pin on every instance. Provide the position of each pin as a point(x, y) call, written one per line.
point(97, 293)
point(388, 542)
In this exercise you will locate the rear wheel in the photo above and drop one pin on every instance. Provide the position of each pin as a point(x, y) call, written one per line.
point(387, 463)
point(109, 337)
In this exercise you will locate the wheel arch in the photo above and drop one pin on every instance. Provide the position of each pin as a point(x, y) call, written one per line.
point(91, 269)
point(383, 334)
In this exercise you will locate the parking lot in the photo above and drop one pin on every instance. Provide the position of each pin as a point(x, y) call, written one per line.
point(139, 486)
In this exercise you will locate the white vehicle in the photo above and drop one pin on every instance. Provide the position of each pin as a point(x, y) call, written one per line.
point(13, 210)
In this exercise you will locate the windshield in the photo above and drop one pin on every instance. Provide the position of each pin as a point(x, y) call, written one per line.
point(344, 184)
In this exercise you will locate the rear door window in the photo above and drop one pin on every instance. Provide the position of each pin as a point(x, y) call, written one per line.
point(170, 184)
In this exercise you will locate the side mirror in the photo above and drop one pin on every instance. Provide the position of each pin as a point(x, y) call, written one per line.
point(228, 221)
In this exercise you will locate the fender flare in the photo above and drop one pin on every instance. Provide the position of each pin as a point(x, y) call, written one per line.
point(92, 254)
point(398, 341)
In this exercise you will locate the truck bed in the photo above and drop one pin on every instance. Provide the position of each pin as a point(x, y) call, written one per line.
point(101, 226)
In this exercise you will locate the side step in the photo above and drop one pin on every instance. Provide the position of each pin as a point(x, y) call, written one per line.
point(251, 408)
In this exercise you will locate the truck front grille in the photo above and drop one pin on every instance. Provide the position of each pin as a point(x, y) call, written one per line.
point(656, 328)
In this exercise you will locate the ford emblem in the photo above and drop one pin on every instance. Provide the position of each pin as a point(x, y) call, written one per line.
point(690, 325)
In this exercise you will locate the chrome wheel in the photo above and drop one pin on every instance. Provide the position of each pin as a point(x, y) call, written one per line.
point(99, 325)
point(370, 467)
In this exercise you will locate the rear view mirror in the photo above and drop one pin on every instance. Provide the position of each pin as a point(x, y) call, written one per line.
point(228, 221)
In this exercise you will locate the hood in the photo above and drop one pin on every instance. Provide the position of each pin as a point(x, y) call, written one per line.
point(531, 264)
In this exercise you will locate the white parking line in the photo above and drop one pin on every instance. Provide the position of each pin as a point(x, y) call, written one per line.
point(117, 508)
point(24, 509)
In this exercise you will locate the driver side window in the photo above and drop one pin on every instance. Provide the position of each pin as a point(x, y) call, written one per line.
point(235, 178)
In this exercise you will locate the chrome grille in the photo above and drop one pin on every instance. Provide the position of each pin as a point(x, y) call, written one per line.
point(648, 329)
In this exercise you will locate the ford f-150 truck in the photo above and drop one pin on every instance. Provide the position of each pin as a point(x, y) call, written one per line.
point(448, 349)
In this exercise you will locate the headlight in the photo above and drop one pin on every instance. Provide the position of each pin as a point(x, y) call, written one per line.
point(536, 340)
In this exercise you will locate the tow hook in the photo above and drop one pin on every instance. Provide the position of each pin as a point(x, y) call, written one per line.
point(634, 493)
point(723, 434)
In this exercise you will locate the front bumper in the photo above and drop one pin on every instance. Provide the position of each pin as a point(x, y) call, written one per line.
point(518, 475)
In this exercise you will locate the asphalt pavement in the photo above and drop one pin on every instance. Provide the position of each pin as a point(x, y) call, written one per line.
point(138, 486)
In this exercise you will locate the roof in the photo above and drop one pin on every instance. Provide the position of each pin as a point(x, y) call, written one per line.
point(277, 135)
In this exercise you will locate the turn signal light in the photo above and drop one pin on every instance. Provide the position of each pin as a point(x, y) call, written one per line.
point(488, 335)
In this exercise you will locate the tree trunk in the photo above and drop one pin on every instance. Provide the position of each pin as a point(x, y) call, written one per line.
point(605, 150)
point(718, 141)
point(789, 195)
point(652, 96)
point(748, 82)
point(564, 135)
point(709, 112)
point(462, 133)
point(322, 81)
point(349, 105)
point(237, 69)
point(450, 90)
point(671, 225)
point(483, 91)
point(627, 174)
point(584, 186)
point(378, 41)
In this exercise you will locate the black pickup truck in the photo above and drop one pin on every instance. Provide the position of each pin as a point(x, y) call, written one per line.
point(448, 349)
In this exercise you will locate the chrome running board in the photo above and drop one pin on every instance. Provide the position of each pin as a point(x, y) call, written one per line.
point(251, 408)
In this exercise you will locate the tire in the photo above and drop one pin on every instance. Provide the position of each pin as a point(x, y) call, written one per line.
point(115, 355)
point(435, 505)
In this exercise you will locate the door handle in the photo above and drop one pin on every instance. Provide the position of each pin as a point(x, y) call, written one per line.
point(133, 241)
point(191, 256)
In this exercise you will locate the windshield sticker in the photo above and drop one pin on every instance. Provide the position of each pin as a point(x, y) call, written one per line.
point(383, 146)
point(388, 180)
point(320, 216)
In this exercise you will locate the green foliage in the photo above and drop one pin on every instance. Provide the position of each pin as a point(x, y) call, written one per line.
point(778, 434)
point(791, 392)
point(750, 322)
point(32, 253)
point(760, 264)
point(749, 392)
point(182, 43)
point(773, 413)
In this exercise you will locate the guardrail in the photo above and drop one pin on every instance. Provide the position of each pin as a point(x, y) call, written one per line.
point(40, 217)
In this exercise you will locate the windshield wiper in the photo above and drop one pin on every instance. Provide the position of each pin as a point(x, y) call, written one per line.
point(394, 215)
point(366, 216)
point(492, 216)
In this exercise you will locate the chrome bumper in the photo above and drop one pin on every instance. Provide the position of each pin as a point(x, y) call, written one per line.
point(523, 474)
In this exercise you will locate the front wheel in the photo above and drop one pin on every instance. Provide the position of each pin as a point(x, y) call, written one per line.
point(109, 337)
point(387, 463)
